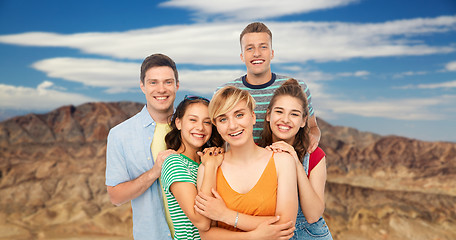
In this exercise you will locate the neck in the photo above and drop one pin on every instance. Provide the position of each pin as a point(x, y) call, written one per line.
point(160, 117)
point(258, 79)
point(243, 152)
point(289, 141)
point(190, 153)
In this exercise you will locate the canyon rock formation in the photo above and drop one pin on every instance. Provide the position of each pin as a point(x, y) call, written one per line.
point(52, 170)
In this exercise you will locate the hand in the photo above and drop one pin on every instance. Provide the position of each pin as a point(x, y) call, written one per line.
point(313, 143)
point(211, 207)
point(161, 157)
point(212, 154)
point(282, 146)
point(269, 230)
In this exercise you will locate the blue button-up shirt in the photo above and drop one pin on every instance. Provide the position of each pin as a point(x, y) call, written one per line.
point(128, 155)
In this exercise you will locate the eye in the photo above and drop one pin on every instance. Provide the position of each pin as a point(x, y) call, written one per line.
point(296, 114)
point(169, 82)
point(152, 82)
point(278, 111)
point(222, 119)
point(249, 49)
point(239, 115)
point(192, 120)
point(207, 122)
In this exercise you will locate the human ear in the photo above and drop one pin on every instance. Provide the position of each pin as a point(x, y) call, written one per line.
point(178, 124)
point(304, 122)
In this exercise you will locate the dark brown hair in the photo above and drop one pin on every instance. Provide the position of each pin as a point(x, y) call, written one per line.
point(173, 139)
point(158, 60)
point(301, 142)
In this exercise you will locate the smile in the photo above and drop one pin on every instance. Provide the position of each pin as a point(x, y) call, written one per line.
point(282, 127)
point(198, 135)
point(161, 98)
point(236, 134)
point(257, 61)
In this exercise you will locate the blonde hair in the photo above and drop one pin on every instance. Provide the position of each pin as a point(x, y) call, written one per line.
point(226, 98)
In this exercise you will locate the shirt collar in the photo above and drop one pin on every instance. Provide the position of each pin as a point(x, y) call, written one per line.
point(145, 117)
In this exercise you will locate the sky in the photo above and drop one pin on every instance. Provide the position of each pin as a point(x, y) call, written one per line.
point(381, 66)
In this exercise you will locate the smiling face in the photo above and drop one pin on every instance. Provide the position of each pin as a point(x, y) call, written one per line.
point(195, 127)
point(236, 126)
point(160, 87)
point(257, 53)
point(285, 118)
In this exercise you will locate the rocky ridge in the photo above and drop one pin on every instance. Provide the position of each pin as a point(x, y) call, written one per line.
point(52, 180)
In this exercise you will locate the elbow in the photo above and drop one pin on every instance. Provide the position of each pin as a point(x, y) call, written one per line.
point(203, 226)
point(312, 219)
point(113, 198)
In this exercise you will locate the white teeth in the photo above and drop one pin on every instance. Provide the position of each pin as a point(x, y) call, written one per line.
point(160, 98)
point(257, 62)
point(284, 127)
point(198, 135)
point(235, 134)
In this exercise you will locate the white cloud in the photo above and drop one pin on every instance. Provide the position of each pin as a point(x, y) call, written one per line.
point(399, 109)
point(445, 85)
point(44, 97)
point(253, 9)
point(409, 73)
point(115, 76)
point(218, 43)
point(119, 77)
point(206, 81)
point(451, 66)
point(354, 74)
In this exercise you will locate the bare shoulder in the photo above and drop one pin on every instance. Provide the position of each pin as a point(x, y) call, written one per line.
point(284, 160)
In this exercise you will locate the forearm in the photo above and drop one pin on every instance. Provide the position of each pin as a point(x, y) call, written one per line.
point(208, 182)
point(126, 191)
point(312, 205)
point(245, 222)
point(224, 234)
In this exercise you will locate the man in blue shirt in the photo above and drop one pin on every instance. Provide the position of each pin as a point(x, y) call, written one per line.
point(131, 170)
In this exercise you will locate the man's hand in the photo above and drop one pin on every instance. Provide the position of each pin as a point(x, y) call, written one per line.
point(161, 157)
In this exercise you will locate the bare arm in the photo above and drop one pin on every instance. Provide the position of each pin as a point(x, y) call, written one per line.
point(213, 207)
point(312, 190)
point(126, 191)
point(268, 229)
point(287, 192)
point(314, 134)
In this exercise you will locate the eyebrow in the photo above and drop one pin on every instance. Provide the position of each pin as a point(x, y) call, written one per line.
point(293, 110)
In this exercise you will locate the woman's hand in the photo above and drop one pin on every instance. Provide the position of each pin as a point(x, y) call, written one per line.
point(211, 207)
point(212, 154)
point(282, 146)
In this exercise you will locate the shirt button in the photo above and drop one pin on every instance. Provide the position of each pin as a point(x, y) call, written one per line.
point(148, 158)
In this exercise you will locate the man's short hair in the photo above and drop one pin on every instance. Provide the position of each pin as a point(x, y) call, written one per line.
point(255, 27)
point(158, 60)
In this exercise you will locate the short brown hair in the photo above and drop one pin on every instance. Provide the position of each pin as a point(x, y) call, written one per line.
point(158, 60)
point(255, 27)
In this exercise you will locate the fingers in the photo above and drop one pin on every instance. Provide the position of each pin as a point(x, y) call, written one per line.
point(216, 195)
point(273, 220)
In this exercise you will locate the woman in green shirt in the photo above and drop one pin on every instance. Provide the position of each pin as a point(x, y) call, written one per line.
point(191, 131)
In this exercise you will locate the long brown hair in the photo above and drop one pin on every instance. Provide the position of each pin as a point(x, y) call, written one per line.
point(301, 142)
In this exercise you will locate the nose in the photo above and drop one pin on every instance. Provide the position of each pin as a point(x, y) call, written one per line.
point(161, 88)
point(256, 52)
point(286, 118)
point(232, 124)
point(199, 126)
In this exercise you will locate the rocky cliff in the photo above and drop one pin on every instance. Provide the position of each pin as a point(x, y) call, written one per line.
point(52, 180)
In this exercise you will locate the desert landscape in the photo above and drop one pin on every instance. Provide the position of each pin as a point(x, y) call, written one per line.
point(52, 169)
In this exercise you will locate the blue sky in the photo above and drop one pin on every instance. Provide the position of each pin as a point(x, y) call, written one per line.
point(383, 66)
